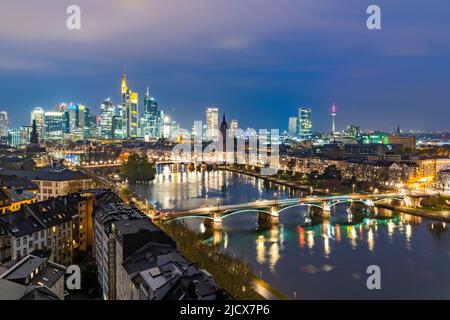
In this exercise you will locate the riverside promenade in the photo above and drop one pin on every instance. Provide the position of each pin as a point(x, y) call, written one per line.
point(430, 214)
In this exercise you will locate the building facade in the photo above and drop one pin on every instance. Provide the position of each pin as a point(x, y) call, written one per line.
point(130, 111)
point(4, 124)
point(46, 226)
point(54, 183)
point(107, 113)
point(304, 123)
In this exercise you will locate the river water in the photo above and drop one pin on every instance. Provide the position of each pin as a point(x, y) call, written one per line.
point(324, 260)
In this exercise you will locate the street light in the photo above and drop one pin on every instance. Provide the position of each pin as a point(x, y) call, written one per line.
point(353, 186)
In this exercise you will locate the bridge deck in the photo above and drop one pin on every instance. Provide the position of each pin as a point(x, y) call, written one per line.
point(262, 204)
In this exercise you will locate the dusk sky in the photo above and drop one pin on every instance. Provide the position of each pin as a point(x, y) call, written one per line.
point(256, 60)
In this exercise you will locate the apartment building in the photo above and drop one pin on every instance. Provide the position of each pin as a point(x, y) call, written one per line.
point(53, 183)
point(105, 245)
point(45, 225)
point(12, 200)
point(36, 272)
point(158, 272)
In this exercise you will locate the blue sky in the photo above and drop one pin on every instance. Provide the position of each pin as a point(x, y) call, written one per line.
point(257, 60)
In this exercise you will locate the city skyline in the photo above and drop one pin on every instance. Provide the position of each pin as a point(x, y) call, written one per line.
point(287, 56)
point(224, 152)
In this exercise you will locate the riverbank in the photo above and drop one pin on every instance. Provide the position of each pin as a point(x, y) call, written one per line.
point(267, 291)
point(436, 215)
point(233, 274)
point(288, 184)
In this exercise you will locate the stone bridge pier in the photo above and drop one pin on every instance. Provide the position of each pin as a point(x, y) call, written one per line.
point(414, 202)
point(269, 218)
point(323, 209)
point(358, 205)
point(215, 223)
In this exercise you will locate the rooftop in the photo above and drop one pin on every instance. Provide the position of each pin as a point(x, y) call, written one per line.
point(35, 217)
point(37, 271)
point(48, 175)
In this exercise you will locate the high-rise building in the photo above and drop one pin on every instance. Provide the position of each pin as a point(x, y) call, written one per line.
point(149, 120)
point(304, 122)
point(197, 131)
point(94, 126)
point(174, 131)
point(61, 107)
point(38, 115)
point(212, 123)
point(107, 112)
point(25, 134)
point(160, 124)
point(117, 129)
point(76, 122)
point(53, 125)
point(14, 137)
point(4, 123)
point(353, 132)
point(234, 124)
point(86, 122)
point(167, 127)
point(130, 110)
point(293, 126)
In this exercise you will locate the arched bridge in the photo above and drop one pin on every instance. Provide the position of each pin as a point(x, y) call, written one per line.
point(269, 210)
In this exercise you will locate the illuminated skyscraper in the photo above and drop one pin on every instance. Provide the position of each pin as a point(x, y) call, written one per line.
point(304, 122)
point(197, 131)
point(4, 123)
point(293, 126)
point(149, 120)
point(234, 126)
point(117, 130)
point(107, 112)
point(25, 134)
point(353, 132)
point(160, 124)
point(75, 122)
point(38, 115)
point(212, 123)
point(167, 127)
point(130, 109)
point(14, 137)
point(53, 125)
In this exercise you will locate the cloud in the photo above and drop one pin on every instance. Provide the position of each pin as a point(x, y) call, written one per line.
point(17, 63)
point(235, 42)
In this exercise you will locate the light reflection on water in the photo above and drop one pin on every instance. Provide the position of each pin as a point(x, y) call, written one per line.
point(317, 259)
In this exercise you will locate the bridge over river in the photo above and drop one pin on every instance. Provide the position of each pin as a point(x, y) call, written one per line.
point(269, 210)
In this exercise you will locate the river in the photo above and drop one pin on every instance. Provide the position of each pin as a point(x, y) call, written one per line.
point(326, 260)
